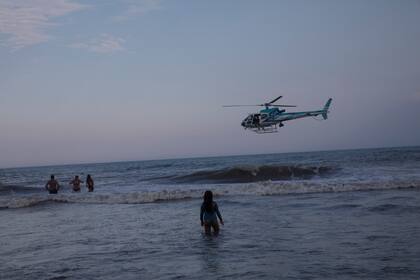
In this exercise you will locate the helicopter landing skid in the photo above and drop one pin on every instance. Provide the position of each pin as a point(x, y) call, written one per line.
point(267, 129)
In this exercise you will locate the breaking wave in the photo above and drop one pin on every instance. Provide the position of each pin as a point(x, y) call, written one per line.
point(246, 174)
point(12, 189)
point(260, 188)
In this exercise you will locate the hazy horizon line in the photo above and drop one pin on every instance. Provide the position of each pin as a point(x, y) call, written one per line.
point(208, 156)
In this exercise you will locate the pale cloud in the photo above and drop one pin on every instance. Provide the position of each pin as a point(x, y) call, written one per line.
point(104, 44)
point(138, 7)
point(25, 22)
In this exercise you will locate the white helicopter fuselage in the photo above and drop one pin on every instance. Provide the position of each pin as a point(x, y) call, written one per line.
point(273, 117)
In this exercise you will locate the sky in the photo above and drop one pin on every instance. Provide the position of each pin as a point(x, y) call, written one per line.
point(99, 81)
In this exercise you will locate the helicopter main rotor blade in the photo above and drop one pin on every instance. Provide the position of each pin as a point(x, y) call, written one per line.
point(241, 105)
point(275, 99)
point(260, 105)
point(283, 106)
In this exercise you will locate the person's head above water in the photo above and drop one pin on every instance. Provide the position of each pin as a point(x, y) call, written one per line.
point(52, 177)
point(208, 201)
point(76, 177)
point(208, 196)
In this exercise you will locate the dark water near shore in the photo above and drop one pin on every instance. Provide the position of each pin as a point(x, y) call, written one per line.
point(325, 215)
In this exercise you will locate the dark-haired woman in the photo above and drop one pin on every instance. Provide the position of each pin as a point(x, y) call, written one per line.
point(209, 214)
point(89, 183)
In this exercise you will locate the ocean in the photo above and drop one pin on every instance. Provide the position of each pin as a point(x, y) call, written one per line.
point(348, 214)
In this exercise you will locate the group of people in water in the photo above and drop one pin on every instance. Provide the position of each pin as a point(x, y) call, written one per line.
point(52, 186)
point(209, 212)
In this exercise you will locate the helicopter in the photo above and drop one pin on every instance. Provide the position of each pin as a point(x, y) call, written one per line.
point(271, 118)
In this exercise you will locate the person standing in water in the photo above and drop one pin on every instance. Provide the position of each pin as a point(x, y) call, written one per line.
point(209, 214)
point(76, 183)
point(52, 185)
point(89, 183)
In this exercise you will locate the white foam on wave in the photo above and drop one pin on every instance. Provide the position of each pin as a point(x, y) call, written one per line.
point(302, 187)
point(258, 188)
point(20, 201)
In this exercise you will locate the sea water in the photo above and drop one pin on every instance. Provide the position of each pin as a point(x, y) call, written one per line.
point(321, 215)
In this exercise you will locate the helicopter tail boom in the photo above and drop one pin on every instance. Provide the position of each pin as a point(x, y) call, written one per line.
point(325, 110)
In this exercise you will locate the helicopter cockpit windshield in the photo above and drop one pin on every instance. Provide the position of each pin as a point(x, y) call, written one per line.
point(251, 120)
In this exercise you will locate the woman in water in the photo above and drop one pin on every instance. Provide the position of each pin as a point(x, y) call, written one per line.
point(89, 183)
point(209, 213)
point(76, 184)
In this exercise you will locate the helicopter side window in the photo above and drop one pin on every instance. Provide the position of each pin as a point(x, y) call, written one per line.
point(264, 117)
point(256, 119)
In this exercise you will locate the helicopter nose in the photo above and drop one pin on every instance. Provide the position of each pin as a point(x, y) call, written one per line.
point(243, 123)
